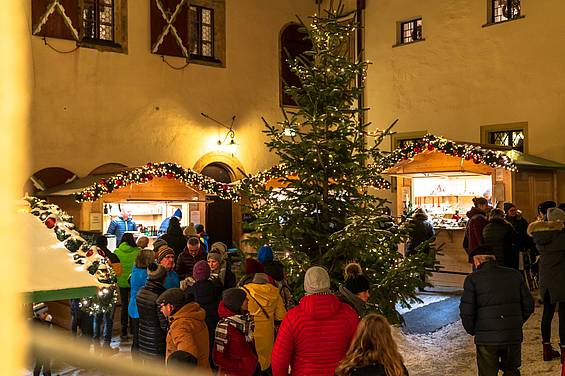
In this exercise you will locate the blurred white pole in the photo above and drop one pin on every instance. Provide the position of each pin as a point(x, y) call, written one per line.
point(15, 96)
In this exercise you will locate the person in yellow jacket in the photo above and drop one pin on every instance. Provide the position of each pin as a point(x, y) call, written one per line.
point(187, 329)
point(267, 307)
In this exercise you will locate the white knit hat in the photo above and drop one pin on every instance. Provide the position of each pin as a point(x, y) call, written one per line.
point(555, 214)
point(316, 281)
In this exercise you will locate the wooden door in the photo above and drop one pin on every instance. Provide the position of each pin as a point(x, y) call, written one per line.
point(531, 187)
point(219, 220)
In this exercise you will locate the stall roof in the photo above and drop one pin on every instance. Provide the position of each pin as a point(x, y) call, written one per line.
point(53, 274)
point(74, 186)
point(531, 161)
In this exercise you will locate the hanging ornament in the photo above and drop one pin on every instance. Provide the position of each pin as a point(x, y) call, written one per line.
point(50, 222)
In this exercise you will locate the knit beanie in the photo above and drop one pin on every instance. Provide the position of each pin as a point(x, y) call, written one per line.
point(215, 256)
point(175, 296)
point(156, 272)
point(507, 206)
point(163, 252)
point(265, 254)
point(158, 243)
point(221, 247)
point(199, 228)
point(189, 230)
point(275, 269)
point(201, 271)
point(39, 308)
point(233, 299)
point(355, 281)
point(316, 281)
point(253, 266)
point(555, 214)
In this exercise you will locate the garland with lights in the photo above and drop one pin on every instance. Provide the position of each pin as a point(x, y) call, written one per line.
point(151, 170)
point(90, 257)
point(430, 143)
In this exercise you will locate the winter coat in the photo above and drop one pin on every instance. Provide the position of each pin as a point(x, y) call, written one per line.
point(152, 327)
point(266, 306)
point(118, 227)
point(474, 230)
point(314, 336)
point(188, 332)
point(239, 357)
point(185, 262)
point(225, 276)
point(165, 224)
point(520, 225)
point(113, 261)
point(171, 280)
point(495, 304)
point(423, 230)
point(352, 300)
point(208, 295)
point(549, 238)
point(176, 242)
point(137, 281)
point(372, 370)
point(500, 235)
point(127, 255)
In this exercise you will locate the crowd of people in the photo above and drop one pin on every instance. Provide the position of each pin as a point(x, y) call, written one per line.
point(183, 305)
point(498, 242)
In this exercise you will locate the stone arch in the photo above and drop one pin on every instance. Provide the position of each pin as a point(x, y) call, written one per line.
point(226, 160)
point(47, 178)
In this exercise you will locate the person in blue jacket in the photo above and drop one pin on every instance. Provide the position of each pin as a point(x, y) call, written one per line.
point(118, 226)
point(165, 224)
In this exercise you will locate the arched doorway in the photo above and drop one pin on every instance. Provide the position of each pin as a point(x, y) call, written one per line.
point(47, 178)
point(219, 215)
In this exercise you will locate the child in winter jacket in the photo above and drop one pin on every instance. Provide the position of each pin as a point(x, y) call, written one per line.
point(234, 349)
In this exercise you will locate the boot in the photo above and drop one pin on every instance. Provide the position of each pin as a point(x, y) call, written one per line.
point(549, 353)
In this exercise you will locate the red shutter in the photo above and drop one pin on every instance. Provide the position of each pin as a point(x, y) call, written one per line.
point(169, 27)
point(55, 18)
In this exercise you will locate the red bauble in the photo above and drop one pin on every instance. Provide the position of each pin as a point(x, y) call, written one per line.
point(225, 187)
point(118, 182)
point(170, 175)
point(476, 160)
point(149, 164)
point(431, 147)
point(101, 252)
point(89, 253)
point(417, 150)
point(467, 157)
point(150, 177)
point(50, 222)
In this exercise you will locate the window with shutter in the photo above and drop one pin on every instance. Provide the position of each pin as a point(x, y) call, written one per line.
point(169, 27)
point(55, 18)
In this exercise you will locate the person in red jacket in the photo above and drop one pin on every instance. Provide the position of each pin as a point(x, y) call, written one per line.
point(477, 222)
point(315, 335)
point(234, 349)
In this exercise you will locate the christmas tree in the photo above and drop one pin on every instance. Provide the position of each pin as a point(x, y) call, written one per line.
point(323, 214)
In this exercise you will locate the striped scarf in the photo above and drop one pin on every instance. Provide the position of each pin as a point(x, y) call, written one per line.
point(243, 323)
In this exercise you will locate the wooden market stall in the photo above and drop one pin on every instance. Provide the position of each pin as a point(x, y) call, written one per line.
point(151, 193)
point(443, 177)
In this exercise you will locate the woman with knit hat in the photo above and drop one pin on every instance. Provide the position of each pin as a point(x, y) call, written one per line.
point(208, 294)
point(355, 289)
point(219, 266)
point(234, 349)
point(315, 335)
point(267, 308)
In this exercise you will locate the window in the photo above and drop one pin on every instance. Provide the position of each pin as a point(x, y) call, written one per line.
point(100, 24)
point(292, 44)
point(402, 143)
point(404, 139)
point(98, 20)
point(411, 31)
point(513, 135)
point(504, 10)
point(512, 138)
point(202, 25)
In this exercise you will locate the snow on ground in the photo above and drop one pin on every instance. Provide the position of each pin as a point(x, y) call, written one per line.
point(451, 351)
point(426, 299)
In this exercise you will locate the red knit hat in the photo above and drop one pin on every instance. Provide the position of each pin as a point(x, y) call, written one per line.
point(253, 266)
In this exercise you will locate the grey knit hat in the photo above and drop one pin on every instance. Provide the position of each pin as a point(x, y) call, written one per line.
point(158, 244)
point(215, 256)
point(316, 281)
point(555, 214)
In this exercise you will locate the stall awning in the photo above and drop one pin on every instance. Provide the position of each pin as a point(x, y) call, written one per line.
point(74, 186)
point(52, 274)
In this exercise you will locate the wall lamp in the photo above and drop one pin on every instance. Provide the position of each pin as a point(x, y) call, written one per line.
point(231, 145)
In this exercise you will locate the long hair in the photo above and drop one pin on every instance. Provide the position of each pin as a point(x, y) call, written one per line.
point(144, 258)
point(129, 239)
point(372, 344)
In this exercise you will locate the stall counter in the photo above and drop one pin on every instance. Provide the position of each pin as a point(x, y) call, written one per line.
point(453, 258)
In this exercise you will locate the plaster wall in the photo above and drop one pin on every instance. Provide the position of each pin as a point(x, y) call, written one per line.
point(464, 75)
point(91, 107)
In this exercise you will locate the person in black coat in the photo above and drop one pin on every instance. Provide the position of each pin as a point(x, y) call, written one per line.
point(207, 294)
point(549, 237)
point(495, 316)
point(152, 325)
point(500, 235)
point(422, 231)
point(174, 237)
